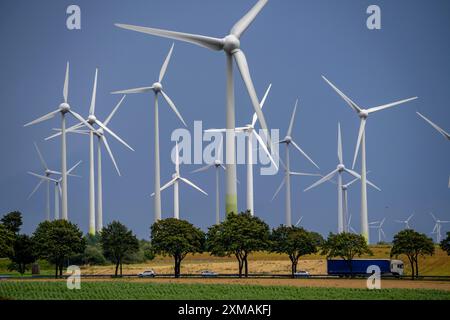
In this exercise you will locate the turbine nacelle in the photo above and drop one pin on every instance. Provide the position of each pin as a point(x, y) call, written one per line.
point(64, 107)
point(91, 119)
point(340, 167)
point(231, 43)
point(217, 163)
point(288, 139)
point(157, 87)
point(363, 114)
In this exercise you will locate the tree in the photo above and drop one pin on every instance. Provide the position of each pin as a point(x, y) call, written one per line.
point(293, 241)
point(412, 244)
point(22, 254)
point(445, 244)
point(12, 221)
point(238, 235)
point(176, 238)
point(58, 240)
point(6, 241)
point(346, 246)
point(116, 242)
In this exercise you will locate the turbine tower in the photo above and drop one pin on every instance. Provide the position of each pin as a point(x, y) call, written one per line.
point(58, 190)
point(440, 130)
point(287, 167)
point(437, 227)
point(363, 114)
point(231, 46)
point(406, 222)
point(379, 226)
point(217, 165)
point(157, 89)
point(63, 109)
point(339, 170)
point(99, 133)
point(250, 132)
point(176, 178)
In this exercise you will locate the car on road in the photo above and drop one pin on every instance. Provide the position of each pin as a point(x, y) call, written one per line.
point(302, 274)
point(208, 273)
point(147, 274)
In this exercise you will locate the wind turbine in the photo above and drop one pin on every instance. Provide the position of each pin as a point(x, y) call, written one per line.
point(47, 173)
point(287, 167)
point(157, 89)
point(406, 222)
point(231, 46)
point(63, 109)
point(339, 170)
point(439, 129)
point(349, 225)
point(99, 133)
point(363, 114)
point(250, 132)
point(217, 165)
point(437, 227)
point(58, 190)
point(379, 226)
point(176, 178)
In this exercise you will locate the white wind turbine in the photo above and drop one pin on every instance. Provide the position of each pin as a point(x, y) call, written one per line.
point(406, 222)
point(231, 46)
point(440, 130)
point(176, 178)
point(379, 226)
point(339, 170)
point(63, 109)
point(287, 167)
point(157, 89)
point(99, 133)
point(217, 165)
point(250, 132)
point(437, 227)
point(58, 190)
point(363, 114)
point(47, 173)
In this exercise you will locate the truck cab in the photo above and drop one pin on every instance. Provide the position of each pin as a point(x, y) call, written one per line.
point(397, 267)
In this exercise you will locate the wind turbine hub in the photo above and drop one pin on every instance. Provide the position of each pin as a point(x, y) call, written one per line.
point(340, 167)
point(175, 176)
point(91, 119)
point(47, 172)
point(288, 139)
point(64, 107)
point(157, 87)
point(363, 114)
point(231, 43)
point(344, 187)
point(217, 162)
point(100, 131)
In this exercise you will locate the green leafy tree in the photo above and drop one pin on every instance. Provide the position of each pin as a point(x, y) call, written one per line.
point(117, 241)
point(12, 221)
point(176, 238)
point(445, 244)
point(58, 240)
point(22, 255)
point(412, 244)
point(6, 241)
point(346, 246)
point(238, 235)
point(293, 241)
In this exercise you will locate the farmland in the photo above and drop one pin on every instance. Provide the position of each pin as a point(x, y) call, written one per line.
point(123, 289)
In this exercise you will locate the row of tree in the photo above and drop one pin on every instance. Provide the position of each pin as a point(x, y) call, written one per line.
point(238, 235)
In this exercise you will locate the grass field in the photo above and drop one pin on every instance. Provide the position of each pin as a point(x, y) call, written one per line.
point(121, 289)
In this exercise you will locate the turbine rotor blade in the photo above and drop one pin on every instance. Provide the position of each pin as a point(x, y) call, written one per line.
point(435, 126)
point(242, 25)
point(358, 176)
point(80, 118)
point(66, 84)
point(203, 41)
point(264, 147)
point(192, 185)
point(134, 90)
point(42, 177)
point(163, 70)
point(255, 117)
point(44, 164)
point(304, 154)
point(320, 181)
point(349, 101)
point(94, 94)
point(339, 152)
point(204, 168)
point(168, 184)
point(291, 123)
point(108, 149)
point(390, 105)
point(35, 188)
point(279, 189)
point(43, 118)
point(113, 134)
point(172, 106)
point(358, 142)
point(108, 119)
point(74, 167)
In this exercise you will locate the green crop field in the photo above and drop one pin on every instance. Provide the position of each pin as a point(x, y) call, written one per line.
point(122, 290)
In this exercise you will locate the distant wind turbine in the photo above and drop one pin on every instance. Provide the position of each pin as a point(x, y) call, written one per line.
point(437, 227)
point(406, 222)
point(379, 226)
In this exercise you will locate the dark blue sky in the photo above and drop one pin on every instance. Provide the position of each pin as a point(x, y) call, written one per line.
point(291, 44)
